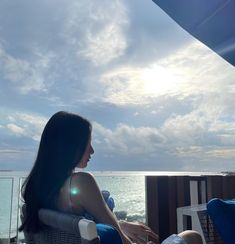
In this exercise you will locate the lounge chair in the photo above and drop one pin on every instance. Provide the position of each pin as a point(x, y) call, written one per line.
point(64, 228)
point(198, 218)
point(222, 213)
point(58, 228)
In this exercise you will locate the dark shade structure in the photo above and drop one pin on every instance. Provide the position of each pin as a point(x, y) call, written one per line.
point(210, 21)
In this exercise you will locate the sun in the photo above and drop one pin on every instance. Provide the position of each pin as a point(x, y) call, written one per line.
point(158, 80)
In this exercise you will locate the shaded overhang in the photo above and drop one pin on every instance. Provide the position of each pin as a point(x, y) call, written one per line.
point(210, 21)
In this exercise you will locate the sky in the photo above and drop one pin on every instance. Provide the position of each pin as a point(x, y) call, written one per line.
point(157, 98)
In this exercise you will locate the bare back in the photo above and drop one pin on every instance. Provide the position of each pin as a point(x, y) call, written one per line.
point(64, 200)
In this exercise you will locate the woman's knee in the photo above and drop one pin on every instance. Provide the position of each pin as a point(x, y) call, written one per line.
point(191, 237)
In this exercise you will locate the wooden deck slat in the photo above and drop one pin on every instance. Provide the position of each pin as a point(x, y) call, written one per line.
point(152, 203)
point(172, 198)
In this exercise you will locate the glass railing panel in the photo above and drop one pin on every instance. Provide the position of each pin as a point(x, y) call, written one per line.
point(6, 193)
point(20, 235)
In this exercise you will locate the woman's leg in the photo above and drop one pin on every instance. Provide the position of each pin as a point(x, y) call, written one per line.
point(191, 237)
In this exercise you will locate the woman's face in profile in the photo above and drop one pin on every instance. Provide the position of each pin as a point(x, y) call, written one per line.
point(86, 156)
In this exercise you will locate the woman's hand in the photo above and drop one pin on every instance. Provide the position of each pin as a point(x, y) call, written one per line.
point(138, 232)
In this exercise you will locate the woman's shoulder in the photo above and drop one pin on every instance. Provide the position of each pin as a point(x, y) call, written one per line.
point(84, 174)
point(86, 185)
point(83, 177)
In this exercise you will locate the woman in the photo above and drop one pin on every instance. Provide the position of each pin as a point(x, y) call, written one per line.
point(66, 144)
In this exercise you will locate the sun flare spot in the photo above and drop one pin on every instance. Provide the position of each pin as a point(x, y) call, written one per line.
point(157, 81)
point(74, 191)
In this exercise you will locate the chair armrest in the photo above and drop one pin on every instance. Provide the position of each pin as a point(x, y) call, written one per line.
point(70, 223)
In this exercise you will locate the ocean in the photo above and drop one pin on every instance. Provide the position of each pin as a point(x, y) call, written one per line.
point(126, 188)
point(128, 192)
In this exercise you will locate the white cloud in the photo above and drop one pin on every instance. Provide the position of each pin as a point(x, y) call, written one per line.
point(199, 70)
point(191, 138)
point(122, 86)
point(19, 134)
point(191, 71)
point(62, 47)
point(105, 46)
point(33, 124)
point(137, 85)
point(102, 39)
point(221, 153)
point(128, 140)
point(25, 124)
point(17, 130)
point(200, 136)
point(13, 151)
point(23, 75)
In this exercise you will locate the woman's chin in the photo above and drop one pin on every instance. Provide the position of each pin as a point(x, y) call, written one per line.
point(82, 166)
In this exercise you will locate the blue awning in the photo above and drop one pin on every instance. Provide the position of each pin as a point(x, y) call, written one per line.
point(210, 21)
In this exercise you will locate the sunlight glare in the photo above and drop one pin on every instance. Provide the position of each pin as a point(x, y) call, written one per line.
point(158, 81)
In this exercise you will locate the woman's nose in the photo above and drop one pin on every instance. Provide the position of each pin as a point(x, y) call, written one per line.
point(92, 150)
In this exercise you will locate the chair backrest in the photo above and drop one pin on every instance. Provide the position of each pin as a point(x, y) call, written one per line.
point(200, 221)
point(222, 213)
point(58, 228)
point(209, 231)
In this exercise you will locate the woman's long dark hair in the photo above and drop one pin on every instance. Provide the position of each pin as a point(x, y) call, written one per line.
point(63, 143)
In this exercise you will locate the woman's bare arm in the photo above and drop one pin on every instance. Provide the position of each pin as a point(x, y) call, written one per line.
point(89, 197)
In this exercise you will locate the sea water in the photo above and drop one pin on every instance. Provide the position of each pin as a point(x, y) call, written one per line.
point(128, 192)
point(126, 188)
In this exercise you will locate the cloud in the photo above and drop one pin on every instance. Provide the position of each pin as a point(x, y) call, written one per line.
point(222, 153)
point(199, 70)
point(24, 76)
point(138, 85)
point(201, 137)
point(183, 139)
point(15, 129)
point(23, 124)
point(130, 148)
point(56, 59)
point(180, 74)
point(189, 129)
point(103, 38)
point(20, 133)
point(125, 139)
point(13, 151)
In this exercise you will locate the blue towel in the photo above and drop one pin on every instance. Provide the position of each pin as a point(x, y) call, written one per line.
point(222, 213)
point(109, 200)
point(108, 234)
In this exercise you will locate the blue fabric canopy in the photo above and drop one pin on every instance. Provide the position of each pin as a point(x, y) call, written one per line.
point(210, 21)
